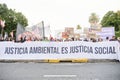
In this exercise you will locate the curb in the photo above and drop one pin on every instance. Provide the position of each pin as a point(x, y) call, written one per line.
point(102, 60)
point(53, 60)
point(81, 60)
point(24, 61)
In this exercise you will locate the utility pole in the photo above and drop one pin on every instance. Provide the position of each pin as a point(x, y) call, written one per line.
point(43, 30)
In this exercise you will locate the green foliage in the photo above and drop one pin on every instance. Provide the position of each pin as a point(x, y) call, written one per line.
point(94, 18)
point(111, 19)
point(117, 33)
point(11, 18)
point(78, 27)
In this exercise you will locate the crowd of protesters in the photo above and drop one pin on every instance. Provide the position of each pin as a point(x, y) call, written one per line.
point(31, 36)
point(28, 38)
point(91, 39)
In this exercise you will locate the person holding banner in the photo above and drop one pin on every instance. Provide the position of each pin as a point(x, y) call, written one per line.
point(113, 38)
point(107, 38)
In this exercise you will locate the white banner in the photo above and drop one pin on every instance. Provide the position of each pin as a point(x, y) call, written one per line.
point(59, 50)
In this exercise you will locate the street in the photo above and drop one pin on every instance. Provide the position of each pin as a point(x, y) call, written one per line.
point(60, 71)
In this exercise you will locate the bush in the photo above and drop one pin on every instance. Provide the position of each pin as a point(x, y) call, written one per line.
point(117, 33)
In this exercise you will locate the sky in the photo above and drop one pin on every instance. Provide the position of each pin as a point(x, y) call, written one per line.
point(62, 13)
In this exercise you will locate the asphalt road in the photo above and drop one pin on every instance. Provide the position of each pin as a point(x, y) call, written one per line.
point(60, 71)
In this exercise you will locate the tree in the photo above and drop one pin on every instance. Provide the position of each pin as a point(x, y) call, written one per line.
point(11, 18)
point(94, 18)
point(111, 19)
point(78, 27)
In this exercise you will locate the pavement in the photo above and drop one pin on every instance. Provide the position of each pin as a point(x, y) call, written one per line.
point(60, 71)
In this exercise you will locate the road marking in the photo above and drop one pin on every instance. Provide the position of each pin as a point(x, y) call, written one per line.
point(96, 79)
point(69, 64)
point(59, 76)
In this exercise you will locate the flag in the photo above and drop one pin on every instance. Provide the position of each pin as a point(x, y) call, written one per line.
point(37, 30)
point(47, 31)
point(20, 30)
point(40, 30)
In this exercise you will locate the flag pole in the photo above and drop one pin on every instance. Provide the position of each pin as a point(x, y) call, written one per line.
point(43, 30)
